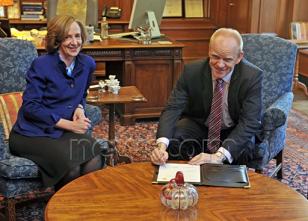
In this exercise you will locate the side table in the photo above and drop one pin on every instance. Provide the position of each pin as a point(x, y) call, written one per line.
point(127, 94)
point(301, 68)
point(301, 63)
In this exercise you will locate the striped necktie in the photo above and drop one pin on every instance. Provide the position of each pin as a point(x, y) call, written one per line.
point(215, 117)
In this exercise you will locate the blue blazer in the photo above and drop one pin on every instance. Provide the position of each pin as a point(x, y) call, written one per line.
point(50, 94)
point(192, 98)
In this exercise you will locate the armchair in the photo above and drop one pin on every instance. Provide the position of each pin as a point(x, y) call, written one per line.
point(276, 57)
point(19, 177)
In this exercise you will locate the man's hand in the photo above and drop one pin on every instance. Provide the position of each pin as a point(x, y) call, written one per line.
point(159, 155)
point(202, 158)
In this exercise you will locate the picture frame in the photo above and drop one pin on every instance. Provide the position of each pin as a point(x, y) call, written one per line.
point(173, 8)
point(194, 9)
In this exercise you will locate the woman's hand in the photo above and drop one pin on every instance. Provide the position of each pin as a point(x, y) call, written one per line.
point(81, 125)
point(78, 113)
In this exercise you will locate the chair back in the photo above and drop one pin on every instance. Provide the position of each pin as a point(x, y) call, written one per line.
point(276, 57)
point(16, 57)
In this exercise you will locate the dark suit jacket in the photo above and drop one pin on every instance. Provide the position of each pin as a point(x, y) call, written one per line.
point(192, 98)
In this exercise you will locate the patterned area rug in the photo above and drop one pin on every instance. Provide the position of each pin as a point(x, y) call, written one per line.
point(139, 140)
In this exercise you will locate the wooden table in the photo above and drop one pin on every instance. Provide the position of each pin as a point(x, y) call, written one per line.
point(126, 193)
point(127, 94)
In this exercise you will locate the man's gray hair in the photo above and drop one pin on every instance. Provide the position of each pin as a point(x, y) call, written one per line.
point(229, 32)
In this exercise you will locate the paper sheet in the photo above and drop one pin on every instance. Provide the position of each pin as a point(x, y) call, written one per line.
point(167, 171)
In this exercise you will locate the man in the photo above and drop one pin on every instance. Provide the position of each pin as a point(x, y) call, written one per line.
point(214, 112)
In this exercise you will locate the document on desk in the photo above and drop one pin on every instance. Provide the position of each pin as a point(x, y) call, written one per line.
point(168, 171)
point(223, 175)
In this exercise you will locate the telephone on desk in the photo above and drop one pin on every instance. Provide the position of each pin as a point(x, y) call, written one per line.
point(112, 12)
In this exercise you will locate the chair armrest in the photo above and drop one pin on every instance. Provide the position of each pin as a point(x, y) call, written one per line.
point(94, 114)
point(276, 115)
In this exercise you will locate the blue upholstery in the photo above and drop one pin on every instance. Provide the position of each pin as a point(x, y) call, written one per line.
point(276, 57)
point(18, 175)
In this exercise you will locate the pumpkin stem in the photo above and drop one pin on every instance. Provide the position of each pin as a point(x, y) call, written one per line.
point(179, 178)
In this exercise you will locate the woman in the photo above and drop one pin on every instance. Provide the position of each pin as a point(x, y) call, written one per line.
point(51, 125)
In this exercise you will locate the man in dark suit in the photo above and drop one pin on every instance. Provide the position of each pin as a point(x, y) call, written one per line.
point(185, 122)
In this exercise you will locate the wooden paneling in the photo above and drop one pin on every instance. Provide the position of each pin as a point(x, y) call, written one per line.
point(238, 15)
point(255, 16)
point(260, 16)
point(269, 12)
point(194, 34)
point(300, 10)
point(284, 18)
point(147, 72)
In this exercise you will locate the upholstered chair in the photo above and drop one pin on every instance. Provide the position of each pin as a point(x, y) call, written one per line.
point(276, 57)
point(19, 177)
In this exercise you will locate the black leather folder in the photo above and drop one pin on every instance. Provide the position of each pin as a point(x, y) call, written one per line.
point(223, 175)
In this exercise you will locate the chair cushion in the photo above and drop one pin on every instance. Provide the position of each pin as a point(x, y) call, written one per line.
point(18, 168)
point(9, 106)
point(12, 188)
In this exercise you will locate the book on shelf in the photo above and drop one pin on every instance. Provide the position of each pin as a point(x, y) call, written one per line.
point(33, 12)
point(31, 3)
point(32, 17)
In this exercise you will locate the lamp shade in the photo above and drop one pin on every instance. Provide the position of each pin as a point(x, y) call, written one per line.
point(6, 2)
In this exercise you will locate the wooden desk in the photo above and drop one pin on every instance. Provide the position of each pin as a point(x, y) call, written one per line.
point(126, 193)
point(301, 68)
point(153, 69)
point(127, 94)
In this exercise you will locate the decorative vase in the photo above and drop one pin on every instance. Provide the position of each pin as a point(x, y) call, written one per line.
point(179, 195)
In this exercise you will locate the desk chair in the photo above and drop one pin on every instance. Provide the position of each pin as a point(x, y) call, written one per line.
point(276, 57)
point(19, 177)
